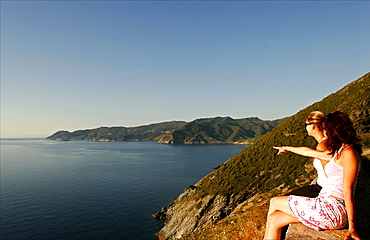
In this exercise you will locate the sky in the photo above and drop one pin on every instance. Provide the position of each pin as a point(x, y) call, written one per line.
point(69, 65)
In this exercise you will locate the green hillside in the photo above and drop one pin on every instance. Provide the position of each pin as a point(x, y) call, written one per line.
point(200, 131)
point(258, 168)
point(143, 133)
point(220, 130)
point(220, 202)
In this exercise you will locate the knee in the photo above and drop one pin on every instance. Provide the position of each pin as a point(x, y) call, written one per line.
point(273, 201)
point(274, 219)
point(273, 204)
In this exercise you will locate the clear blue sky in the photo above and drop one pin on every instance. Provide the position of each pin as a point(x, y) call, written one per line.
point(68, 65)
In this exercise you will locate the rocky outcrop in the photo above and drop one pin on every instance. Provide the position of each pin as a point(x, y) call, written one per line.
point(300, 231)
point(186, 213)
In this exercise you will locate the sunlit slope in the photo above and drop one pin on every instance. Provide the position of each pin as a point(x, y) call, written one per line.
point(259, 169)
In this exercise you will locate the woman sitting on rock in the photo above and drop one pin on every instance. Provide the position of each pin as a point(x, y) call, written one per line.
point(334, 207)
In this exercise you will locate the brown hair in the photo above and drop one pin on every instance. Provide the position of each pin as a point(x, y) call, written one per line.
point(340, 130)
point(317, 118)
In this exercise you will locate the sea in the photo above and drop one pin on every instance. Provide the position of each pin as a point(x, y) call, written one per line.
point(96, 190)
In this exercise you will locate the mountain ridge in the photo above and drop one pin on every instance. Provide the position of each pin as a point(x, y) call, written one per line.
point(199, 131)
point(147, 132)
point(221, 130)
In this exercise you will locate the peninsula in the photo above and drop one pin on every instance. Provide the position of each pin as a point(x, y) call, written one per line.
point(199, 131)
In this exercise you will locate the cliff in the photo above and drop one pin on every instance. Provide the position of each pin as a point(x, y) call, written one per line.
point(222, 203)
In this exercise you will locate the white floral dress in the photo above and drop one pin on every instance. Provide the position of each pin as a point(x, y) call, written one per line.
point(324, 211)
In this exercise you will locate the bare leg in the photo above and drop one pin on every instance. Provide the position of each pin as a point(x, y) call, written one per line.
point(275, 222)
point(279, 215)
point(280, 204)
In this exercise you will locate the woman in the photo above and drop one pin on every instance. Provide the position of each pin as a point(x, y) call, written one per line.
point(334, 207)
point(314, 127)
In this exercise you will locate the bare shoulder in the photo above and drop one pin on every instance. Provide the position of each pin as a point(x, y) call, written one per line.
point(348, 156)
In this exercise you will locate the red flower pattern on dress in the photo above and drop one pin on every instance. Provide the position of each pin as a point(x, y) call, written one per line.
point(319, 213)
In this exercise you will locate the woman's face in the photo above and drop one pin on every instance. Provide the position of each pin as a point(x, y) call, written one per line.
point(309, 127)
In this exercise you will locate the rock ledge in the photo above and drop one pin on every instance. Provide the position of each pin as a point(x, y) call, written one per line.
point(300, 231)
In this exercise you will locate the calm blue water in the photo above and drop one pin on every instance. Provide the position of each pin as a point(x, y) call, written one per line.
point(95, 190)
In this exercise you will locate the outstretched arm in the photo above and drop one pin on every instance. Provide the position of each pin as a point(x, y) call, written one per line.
point(305, 151)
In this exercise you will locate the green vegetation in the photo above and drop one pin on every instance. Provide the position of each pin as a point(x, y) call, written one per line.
point(209, 130)
point(151, 132)
point(259, 169)
point(247, 181)
point(221, 130)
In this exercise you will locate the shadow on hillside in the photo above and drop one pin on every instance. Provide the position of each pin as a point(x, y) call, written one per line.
point(362, 198)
